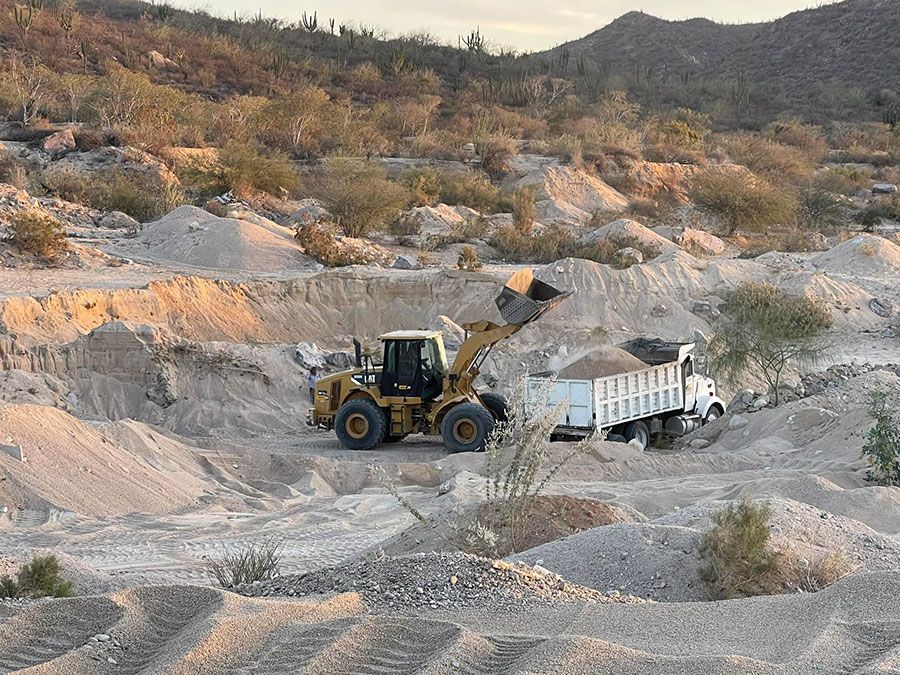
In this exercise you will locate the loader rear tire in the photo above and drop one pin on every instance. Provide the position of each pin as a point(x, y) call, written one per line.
point(360, 425)
point(497, 405)
point(467, 427)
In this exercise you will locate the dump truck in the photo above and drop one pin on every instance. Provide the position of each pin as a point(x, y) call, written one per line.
point(670, 395)
point(413, 390)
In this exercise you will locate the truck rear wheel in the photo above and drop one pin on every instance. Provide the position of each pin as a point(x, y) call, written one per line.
point(360, 425)
point(638, 431)
point(497, 405)
point(466, 428)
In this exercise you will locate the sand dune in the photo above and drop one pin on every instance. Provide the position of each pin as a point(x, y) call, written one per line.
point(849, 628)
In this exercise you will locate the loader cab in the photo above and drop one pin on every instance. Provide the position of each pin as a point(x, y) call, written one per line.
point(414, 365)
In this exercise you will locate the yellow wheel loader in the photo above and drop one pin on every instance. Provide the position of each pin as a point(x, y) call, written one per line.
point(413, 390)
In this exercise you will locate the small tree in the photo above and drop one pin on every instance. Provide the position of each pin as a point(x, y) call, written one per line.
point(37, 579)
point(37, 232)
point(763, 329)
point(358, 195)
point(255, 561)
point(882, 448)
point(523, 210)
point(737, 561)
point(741, 199)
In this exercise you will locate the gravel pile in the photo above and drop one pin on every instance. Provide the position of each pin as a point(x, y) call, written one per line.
point(438, 581)
point(835, 376)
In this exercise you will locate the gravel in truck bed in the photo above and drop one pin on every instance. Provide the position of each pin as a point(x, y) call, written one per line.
point(437, 581)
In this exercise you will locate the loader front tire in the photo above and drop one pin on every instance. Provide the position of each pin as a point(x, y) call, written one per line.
point(497, 405)
point(360, 425)
point(466, 428)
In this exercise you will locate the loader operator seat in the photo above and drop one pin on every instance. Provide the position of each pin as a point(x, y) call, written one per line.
point(411, 369)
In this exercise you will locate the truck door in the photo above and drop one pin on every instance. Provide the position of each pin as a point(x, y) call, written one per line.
point(689, 384)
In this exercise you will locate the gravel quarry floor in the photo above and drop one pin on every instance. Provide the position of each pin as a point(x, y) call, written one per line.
point(162, 418)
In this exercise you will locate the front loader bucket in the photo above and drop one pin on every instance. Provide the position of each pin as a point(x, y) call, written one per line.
point(524, 298)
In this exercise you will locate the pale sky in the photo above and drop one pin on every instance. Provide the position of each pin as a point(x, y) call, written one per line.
point(526, 25)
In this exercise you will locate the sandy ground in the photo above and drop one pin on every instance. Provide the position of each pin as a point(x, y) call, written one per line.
point(161, 416)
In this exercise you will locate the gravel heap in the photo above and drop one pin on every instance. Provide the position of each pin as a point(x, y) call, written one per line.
point(438, 581)
point(835, 376)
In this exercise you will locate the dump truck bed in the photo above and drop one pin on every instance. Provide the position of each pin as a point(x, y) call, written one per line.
point(604, 402)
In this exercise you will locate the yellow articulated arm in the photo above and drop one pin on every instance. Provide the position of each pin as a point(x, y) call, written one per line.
point(484, 335)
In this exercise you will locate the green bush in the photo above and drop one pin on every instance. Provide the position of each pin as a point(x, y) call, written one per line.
point(737, 561)
point(742, 200)
point(882, 448)
point(256, 561)
point(424, 185)
point(244, 167)
point(523, 210)
point(319, 242)
point(473, 190)
point(116, 189)
point(774, 161)
point(468, 259)
point(37, 579)
point(37, 232)
point(358, 195)
point(818, 209)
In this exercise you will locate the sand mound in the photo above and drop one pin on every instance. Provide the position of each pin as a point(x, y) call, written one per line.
point(660, 560)
point(71, 467)
point(603, 361)
point(864, 255)
point(436, 580)
point(566, 185)
point(193, 237)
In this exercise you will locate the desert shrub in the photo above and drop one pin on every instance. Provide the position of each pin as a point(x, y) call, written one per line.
point(818, 208)
point(769, 159)
point(845, 180)
point(94, 139)
point(882, 448)
point(243, 167)
point(789, 240)
point(468, 259)
point(358, 194)
point(37, 232)
point(405, 225)
point(742, 200)
point(763, 329)
point(459, 233)
point(495, 151)
point(116, 189)
point(808, 138)
point(256, 561)
point(39, 578)
point(473, 190)
point(812, 575)
point(321, 243)
point(424, 185)
point(873, 213)
point(737, 561)
point(524, 210)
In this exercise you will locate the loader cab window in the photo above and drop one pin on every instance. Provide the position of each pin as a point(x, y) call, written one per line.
point(414, 368)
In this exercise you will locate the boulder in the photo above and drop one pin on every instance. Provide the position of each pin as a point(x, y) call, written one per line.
point(692, 239)
point(567, 186)
point(61, 141)
point(884, 188)
point(436, 219)
point(626, 233)
point(116, 220)
point(157, 60)
point(139, 166)
point(405, 262)
point(309, 211)
point(454, 334)
point(629, 256)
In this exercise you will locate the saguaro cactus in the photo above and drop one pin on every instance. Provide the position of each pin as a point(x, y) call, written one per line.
point(24, 16)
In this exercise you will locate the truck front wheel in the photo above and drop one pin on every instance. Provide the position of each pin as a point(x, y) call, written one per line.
point(466, 428)
point(638, 431)
point(360, 425)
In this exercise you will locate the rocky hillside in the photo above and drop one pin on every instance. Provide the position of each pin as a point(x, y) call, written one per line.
point(799, 54)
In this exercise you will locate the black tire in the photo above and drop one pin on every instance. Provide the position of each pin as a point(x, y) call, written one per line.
point(466, 428)
point(360, 425)
point(714, 413)
point(639, 431)
point(497, 405)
